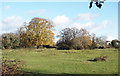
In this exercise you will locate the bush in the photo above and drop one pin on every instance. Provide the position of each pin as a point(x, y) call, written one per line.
point(76, 44)
point(63, 46)
point(11, 66)
point(10, 40)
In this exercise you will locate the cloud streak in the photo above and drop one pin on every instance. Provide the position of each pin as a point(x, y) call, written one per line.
point(84, 25)
point(100, 26)
point(85, 17)
point(110, 38)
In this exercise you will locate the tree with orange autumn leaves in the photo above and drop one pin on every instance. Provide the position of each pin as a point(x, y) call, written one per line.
point(38, 32)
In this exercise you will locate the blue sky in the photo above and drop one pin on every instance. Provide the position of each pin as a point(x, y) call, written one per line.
point(102, 22)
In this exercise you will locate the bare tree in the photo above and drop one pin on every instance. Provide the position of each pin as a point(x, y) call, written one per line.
point(73, 38)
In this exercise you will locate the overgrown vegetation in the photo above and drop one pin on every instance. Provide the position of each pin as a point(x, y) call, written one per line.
point(10, 40)
point(11, 67)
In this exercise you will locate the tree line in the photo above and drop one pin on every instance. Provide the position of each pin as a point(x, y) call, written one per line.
point(73, 38)
point(39, 32)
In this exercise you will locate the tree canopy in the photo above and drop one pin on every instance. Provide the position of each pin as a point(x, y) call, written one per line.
point(38, 32)
point(73, 38)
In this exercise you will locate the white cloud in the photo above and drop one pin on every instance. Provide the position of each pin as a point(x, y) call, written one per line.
point(94, 29)
point(56, 39)
point(85, 16)
point(0, 25)
point(7, 7)
point(77, 25)
point(90, 26)
point(105, 23)
point(61, 20)
point(37, 11)
point(85, 25)
point(100, 26)
point(110, 38)
point(1, 30)
point(11, 24)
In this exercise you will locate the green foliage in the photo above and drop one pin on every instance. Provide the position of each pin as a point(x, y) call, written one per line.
point(10, 40)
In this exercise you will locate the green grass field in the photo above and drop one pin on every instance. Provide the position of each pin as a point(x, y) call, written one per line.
point(51, 61)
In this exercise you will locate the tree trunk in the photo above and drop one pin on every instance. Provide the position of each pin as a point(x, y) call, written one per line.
point(37, 47)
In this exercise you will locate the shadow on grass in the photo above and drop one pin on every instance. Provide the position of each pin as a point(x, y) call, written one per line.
point(62, 74)
point(92, 60)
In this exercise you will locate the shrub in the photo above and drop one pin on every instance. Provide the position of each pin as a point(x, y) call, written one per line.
point(11, 66)
point(76, 44)
point(10, 40)
point(63, 46)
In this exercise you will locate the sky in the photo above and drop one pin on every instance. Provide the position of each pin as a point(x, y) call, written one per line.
point(102, 22)
point(53, 0)
point(119, 21)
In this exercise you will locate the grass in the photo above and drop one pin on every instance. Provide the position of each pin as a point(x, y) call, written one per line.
point(51, 61)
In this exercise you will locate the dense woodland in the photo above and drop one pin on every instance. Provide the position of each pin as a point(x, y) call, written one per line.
point(38, 33)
